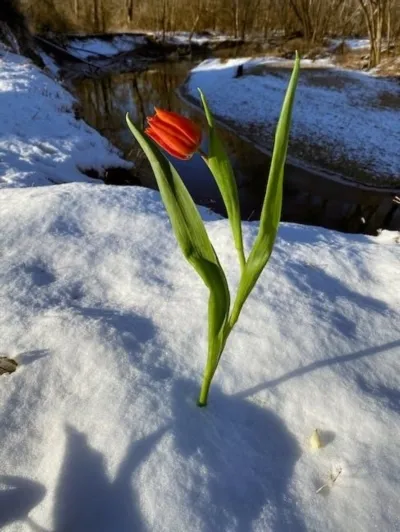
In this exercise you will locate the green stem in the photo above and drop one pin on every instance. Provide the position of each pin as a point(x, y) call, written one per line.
point(242, 258)
point(209, 373)
point(234, 315)
point(212, 362)
point(236, 226)
point(205, 388)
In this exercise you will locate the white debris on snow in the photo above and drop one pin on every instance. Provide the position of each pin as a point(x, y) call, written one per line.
point(41, 141)
point(339, 111)
point(100, 430)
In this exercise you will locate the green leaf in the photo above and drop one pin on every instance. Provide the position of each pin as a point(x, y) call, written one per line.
point(193, 239)
point(272, 206)
point(220, 166)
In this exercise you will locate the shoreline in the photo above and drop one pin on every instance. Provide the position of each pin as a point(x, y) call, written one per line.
point(292, 161)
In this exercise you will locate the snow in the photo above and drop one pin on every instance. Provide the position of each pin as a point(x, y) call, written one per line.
point(41, 142)
point(182, 37)
point(353, 44)
point(337, 111)
point(100, 430)
point(52, 68)
point(92, 47)
point(105, 47)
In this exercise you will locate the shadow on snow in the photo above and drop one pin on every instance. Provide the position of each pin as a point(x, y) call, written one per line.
point(244, 457)
point(87, 500)
point(319, 364)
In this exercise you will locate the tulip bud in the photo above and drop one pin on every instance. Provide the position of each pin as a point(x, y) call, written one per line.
point(176, 134)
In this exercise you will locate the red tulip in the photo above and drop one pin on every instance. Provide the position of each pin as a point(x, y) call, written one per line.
point(176, 134)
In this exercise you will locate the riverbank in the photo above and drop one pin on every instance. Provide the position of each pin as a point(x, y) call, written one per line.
point(102, 54)
point(344, 122)
point(41, 140)
point(310, 197)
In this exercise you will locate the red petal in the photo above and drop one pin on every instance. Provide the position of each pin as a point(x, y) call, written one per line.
point(171, 131)
point(189, 128)
point(166, 145)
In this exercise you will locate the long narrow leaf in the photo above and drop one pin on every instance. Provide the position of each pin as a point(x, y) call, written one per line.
point(220, 166)
point(192, 237)
point(271, 211)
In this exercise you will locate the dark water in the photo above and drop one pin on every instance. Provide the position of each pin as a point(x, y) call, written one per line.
point(308, 198)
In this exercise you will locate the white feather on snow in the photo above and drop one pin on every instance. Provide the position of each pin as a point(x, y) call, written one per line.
point(41, 142)
point(346, 118)
point(100, 431)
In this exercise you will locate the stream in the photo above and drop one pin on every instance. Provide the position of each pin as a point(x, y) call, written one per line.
point(308, 197)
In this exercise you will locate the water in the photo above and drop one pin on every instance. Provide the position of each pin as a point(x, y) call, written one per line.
point(308, 198)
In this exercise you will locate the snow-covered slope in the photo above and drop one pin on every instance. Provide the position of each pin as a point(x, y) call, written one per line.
point(41, 142)
point(353, 44)
point(92, 47)
point(99, 428)
point(182, 37)
point(344, 120)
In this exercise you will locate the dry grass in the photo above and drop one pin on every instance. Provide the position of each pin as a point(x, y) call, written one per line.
point(358, 60)
point(390, 66)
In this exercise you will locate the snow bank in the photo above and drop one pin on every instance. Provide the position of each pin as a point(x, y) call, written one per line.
point(345, 115)
point(99, 428)
point(41, 142)
point(92, 47)
point(353, 44)
point(182, 37)
point(85, 48)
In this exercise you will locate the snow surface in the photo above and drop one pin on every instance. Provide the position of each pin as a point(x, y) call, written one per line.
point(95, 46)
point(353, 44)
point(338, 111)
point(100, 431)
point(50, 64)
point(182, 37)
point(41, 141)
point(92, 47)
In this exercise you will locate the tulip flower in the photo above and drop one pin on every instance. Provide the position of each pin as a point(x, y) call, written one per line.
point(176, 134)
point(181, 138)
